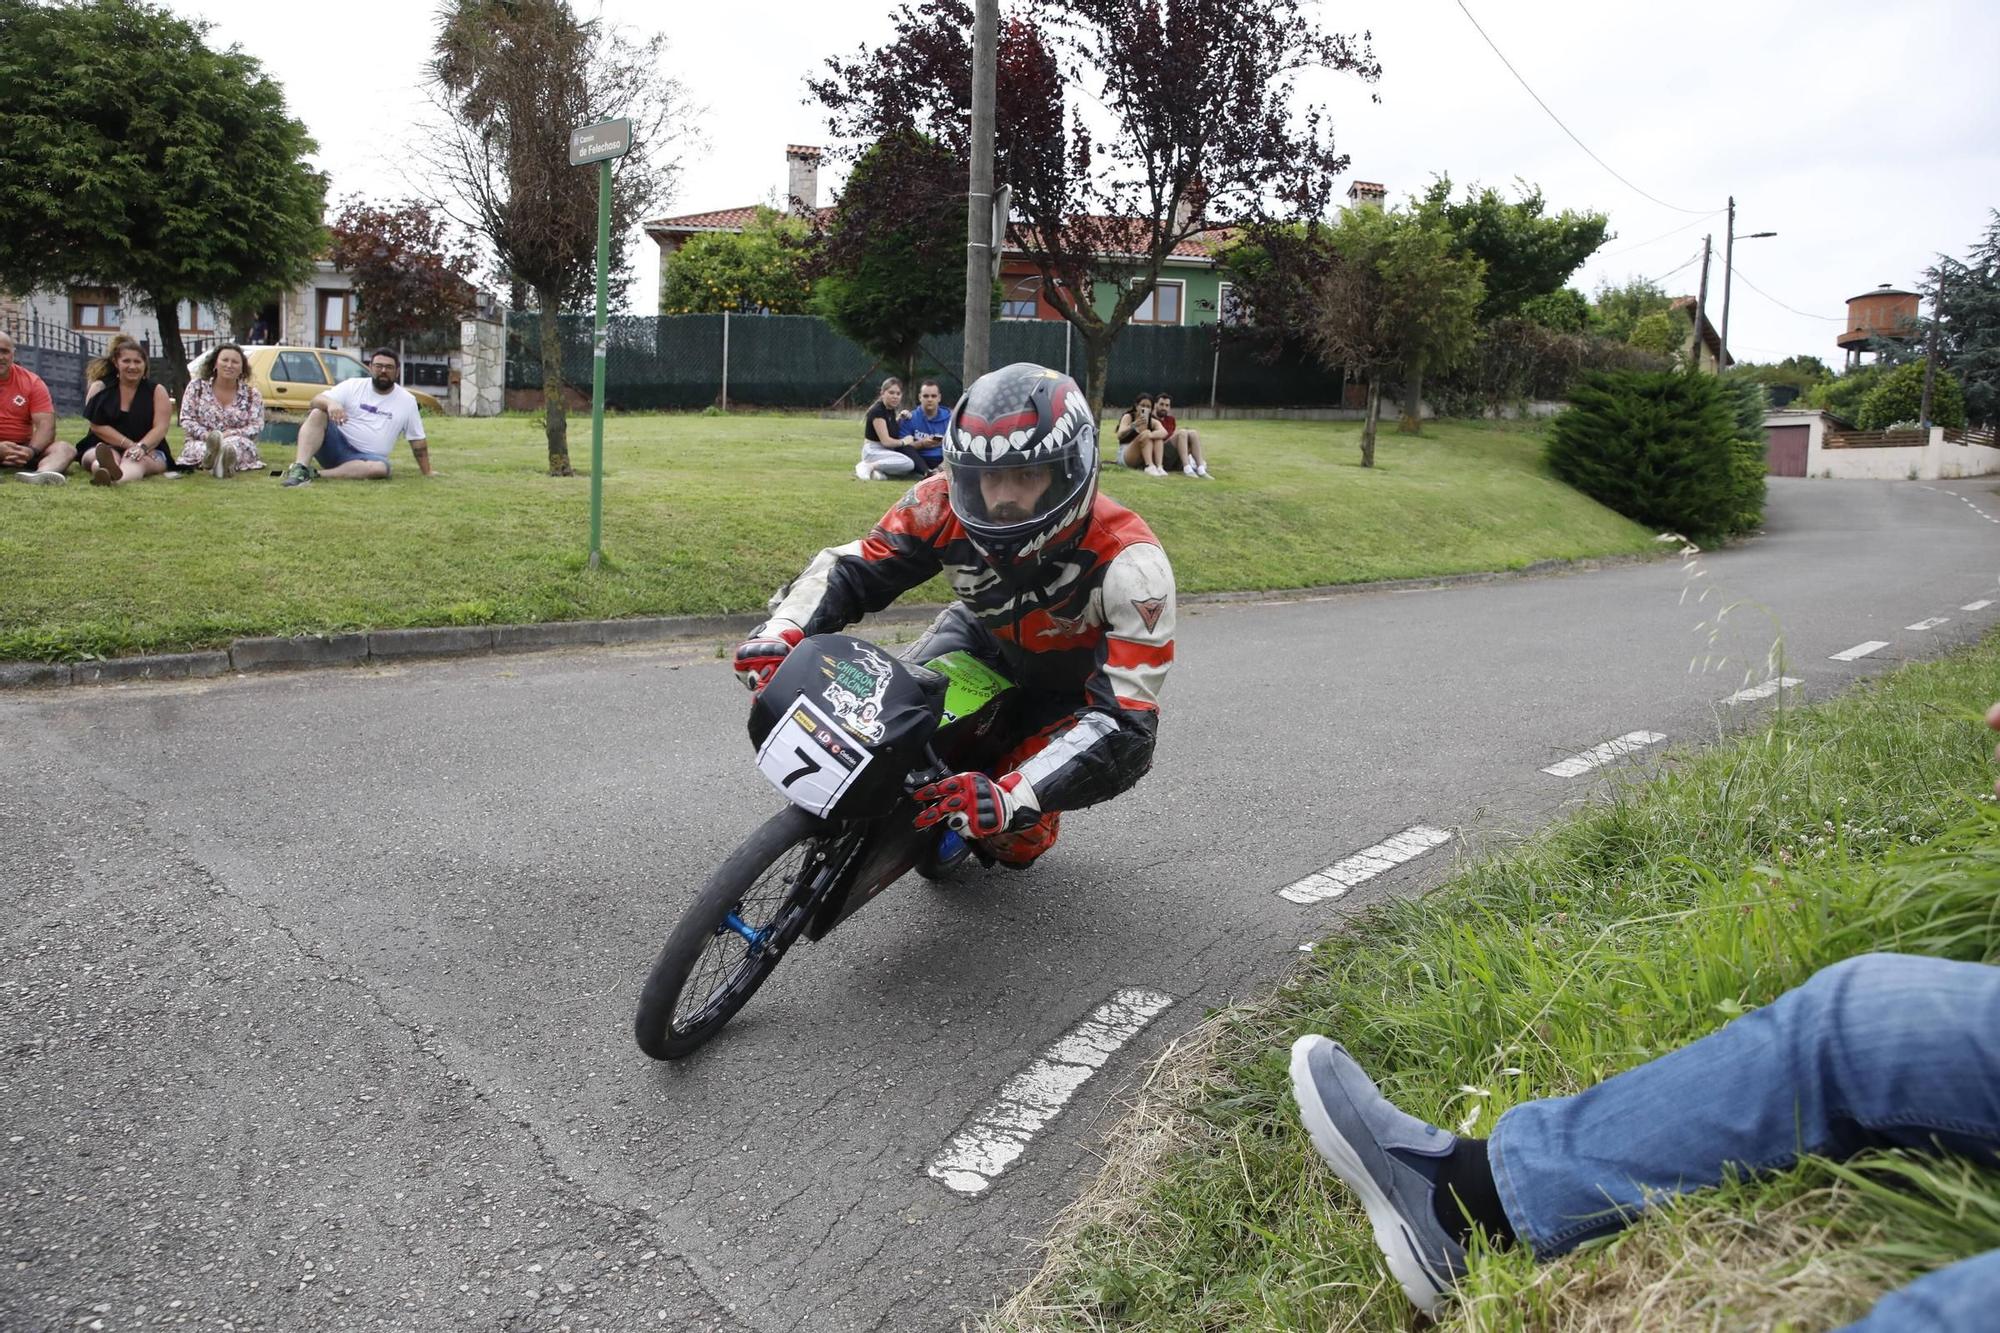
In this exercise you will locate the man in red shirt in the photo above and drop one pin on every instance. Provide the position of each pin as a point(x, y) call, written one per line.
point(28, 423)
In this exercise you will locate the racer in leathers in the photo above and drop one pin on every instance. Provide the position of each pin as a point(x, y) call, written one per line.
point(1064, 589)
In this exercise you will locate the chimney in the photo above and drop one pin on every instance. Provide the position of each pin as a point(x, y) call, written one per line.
point(801, 178)
point(1366, 194)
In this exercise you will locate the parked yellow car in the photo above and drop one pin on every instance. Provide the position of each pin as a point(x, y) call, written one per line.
point(290, 377)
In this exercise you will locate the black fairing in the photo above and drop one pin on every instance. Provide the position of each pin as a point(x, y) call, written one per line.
point(890, 706)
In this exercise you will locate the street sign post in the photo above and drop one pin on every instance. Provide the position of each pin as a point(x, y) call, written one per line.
point(601, 143)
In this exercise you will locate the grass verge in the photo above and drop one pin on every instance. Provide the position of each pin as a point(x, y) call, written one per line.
point(706, 515)
point(1627, 930)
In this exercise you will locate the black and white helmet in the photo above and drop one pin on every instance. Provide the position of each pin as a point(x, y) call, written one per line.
point(1011, 420)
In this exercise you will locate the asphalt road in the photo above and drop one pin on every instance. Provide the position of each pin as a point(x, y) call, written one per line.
point(317, 988)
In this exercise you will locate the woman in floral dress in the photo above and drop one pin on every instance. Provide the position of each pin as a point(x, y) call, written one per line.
point(221, 416)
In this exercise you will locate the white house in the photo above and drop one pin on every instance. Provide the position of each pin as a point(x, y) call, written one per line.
point(318, 312)
point(1806, 443)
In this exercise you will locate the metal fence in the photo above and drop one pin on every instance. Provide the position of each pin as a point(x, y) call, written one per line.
point(57, 353)
point(692, 361)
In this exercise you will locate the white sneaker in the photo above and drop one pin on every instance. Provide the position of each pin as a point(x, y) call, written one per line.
point(1154, 470)
point(863, 472)
point(42, 478)
point(221, 458)
point(1202, 472)
point(1190, 469)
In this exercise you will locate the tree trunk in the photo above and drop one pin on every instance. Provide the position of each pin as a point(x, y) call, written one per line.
point(555, 411)
point(1096, 368)
point(1412, 422)
point(172, 350)
point(1368, 422)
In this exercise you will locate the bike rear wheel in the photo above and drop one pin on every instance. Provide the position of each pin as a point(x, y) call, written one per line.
point(724, 946)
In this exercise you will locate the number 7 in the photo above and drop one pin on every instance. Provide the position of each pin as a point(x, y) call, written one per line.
point(807, 765)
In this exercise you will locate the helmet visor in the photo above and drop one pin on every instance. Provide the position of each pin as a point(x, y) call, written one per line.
point(1015, 494)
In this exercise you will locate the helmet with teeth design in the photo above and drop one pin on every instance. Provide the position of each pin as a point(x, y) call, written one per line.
point(1022, 451)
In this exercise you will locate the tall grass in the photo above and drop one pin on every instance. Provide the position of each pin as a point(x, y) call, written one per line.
point(1865, 823)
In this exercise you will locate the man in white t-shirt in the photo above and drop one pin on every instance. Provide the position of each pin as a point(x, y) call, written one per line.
point(353, 426)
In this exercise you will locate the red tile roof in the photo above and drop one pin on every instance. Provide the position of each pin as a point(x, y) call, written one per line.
point(1200, 246)
point(802, 150)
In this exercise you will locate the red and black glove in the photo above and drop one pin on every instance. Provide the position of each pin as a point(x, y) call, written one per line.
point(758, 656)
point(976, 805)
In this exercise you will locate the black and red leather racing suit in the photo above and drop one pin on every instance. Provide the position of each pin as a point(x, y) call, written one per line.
point(1086, 633)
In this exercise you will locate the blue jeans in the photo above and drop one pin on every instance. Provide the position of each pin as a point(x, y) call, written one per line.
point(1884, 1050)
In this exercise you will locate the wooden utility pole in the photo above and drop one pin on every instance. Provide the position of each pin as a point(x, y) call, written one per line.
point(1930, 368)
point(979, 224)
point(1701, 301)
point(1728, 268)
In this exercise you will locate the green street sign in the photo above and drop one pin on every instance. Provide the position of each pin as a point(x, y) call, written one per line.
point(600, 142)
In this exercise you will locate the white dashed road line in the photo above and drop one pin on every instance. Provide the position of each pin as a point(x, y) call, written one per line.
point(1364, 865)
point(1764, 691)
point(1976, 606)
point(1859, 650)
point(1596, 755)
point(1035, 1096)
point(1968, 502)
point(1932, 623)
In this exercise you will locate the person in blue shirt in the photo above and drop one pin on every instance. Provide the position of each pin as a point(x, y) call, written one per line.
point(923, 429)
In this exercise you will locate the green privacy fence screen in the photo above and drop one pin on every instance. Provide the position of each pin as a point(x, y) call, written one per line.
point(691, 361)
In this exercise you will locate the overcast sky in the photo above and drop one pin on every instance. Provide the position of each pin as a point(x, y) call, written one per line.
point(1866, 135)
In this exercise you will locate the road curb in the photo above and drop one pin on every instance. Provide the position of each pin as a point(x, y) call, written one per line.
point(312, 651)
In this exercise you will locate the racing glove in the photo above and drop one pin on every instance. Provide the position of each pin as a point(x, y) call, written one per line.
point(758, 656)
point(976, 805)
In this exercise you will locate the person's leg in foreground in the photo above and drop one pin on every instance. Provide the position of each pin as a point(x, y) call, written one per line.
point(1884, 1050)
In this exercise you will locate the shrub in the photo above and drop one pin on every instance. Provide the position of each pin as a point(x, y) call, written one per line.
point(1842, 395)
point(1518, 360)
point(1899, 396)
point(1660, 447)
point(1747, 401)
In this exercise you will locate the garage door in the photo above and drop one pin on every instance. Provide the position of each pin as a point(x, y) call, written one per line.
point(1785, 451)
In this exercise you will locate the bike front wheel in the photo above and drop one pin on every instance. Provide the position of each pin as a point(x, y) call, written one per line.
point(727, 943)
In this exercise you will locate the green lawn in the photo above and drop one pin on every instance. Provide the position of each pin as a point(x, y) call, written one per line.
point(1865, 823)
point(708, 515)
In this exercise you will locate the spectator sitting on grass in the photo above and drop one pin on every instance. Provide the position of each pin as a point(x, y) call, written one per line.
point(1878, 1051)
point(1140, 438)
point(883, 455)
point(128, 415)
point(1181, 446)
point(353, 426)
point(28, 424)
point(221, 416)
point(923, 429)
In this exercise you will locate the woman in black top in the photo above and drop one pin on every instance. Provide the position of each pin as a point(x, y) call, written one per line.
point(883, 455)
point(128, 416)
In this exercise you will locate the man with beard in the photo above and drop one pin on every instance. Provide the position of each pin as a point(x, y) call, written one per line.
point(353, 426)
point(1062, 589)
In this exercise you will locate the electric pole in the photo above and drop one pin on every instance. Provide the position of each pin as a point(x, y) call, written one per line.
point(1728, 268)
point(979, 223)
point(1728, 271)
point(1701, 301)
point(1930, 366)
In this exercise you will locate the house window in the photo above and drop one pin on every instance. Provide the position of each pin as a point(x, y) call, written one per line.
point(93, 309)
point(1162, 305)
point(1021, 298)
point(1229, 308)
point(197, 317)
point(336, 318)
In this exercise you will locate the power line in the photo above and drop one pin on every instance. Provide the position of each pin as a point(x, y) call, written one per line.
point(1640, 245)
point(1558, 119)
point(1830, 319)
point(1654, 282)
